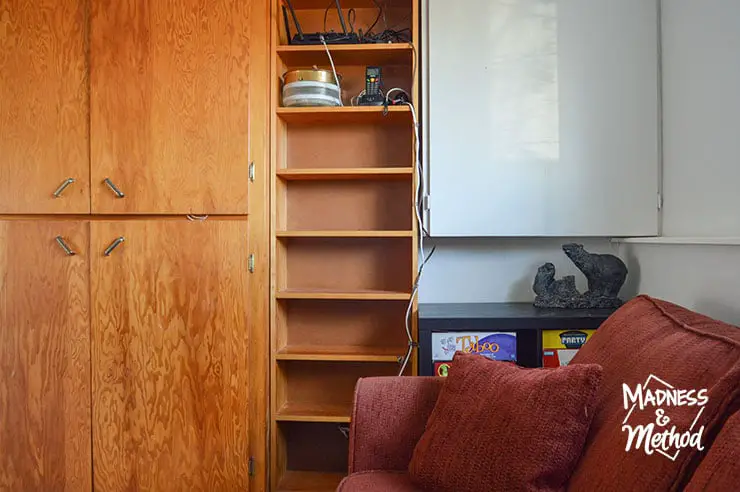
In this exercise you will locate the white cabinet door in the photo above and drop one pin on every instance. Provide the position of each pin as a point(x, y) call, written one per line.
point(542, 117)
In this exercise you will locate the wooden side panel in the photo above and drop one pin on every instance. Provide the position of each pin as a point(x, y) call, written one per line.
point(169, 105)
point(44, 357)
point(170, 356)
point(43, 106)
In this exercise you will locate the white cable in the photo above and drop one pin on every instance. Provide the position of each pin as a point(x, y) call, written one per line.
point(417, 205)
point(334, 70)
point(397, 89)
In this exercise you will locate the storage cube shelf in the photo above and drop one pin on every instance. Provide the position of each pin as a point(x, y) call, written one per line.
point(309, 470)
point(351, 205)
point(332, 145)
point(344, 242)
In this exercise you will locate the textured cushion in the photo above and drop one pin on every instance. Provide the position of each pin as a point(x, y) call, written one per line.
point(377, 481)
point(388, 417)
point(499, 427)
point(647, 337)
point(719, 471)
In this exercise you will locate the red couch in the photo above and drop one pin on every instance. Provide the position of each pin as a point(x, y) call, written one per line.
point(390, 413)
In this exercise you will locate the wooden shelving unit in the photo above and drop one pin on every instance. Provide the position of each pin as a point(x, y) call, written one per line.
point(344, 242)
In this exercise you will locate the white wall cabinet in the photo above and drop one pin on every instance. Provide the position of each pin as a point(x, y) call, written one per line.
point(542, 117)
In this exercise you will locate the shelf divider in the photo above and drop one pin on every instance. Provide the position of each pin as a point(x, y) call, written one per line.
point(340, 353)
point(341, 174)
point(343, 234)
point(344, 114)
point(303, 412)
point(364, 295)
point(381, 54)
point(309, 481)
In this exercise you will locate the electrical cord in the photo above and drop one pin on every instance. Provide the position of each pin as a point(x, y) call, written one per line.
point(380, 12)
point(420, 193)
point(333, 69)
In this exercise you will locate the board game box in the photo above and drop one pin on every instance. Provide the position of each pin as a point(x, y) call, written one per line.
point(560, 346)
point(499, 346)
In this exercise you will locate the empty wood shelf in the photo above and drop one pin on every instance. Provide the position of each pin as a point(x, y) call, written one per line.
point(348, 54)
point(314, 412)
point(346, 173)
point(309, 481)
point(344, 234)
point(375, 326)
point(345, 114)
point(349, 205)
point(341, 353)
point(362, 295)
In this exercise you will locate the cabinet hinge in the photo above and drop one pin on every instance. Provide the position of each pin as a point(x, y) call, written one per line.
point(660, 201)
point(250, 263)
point(250, 466)
point(425, 203)
point(251, 171)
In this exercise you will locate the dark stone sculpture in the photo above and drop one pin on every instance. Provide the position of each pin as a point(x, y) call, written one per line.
point(605, 275)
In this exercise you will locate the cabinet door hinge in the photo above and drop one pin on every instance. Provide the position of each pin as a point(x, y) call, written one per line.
point(250, 466)
point(660, 201)
point(250, 263)
point(425, 206)
point(251, 171)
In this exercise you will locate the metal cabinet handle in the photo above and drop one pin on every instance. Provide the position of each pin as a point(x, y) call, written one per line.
point(67, 250)
point(113, 188)
point(113, 246)
point(63, 187)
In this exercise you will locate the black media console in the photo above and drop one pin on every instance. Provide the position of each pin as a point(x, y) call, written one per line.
point(464, 324)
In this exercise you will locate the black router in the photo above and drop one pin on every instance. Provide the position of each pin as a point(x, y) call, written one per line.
point(300, 38)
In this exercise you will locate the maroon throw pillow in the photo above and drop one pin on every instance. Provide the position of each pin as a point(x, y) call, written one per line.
point(499, 427)
point(670, 348)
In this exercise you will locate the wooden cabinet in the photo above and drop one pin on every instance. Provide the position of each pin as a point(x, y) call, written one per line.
point(170, 105)
point(156, 329)
point(44, 356)
point(171, 387)
point(43, 107)
point(134, 339)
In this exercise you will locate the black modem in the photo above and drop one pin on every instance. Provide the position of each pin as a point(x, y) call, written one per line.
point(300, 37)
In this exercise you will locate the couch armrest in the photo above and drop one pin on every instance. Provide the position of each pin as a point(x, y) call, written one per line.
point(388, 418)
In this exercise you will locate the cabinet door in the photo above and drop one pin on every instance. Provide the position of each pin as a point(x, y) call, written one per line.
point(43, 107)
point(169, 106)
point(44, 356)
point(170, 359)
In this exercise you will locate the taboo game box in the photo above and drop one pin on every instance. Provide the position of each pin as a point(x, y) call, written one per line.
point(493, 345)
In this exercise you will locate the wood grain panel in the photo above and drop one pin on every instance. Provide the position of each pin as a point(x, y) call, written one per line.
point(342, 146)
point(170, 356)
point(44, 357)
point(357, 205)
point(43, 106)
point(169, 105)
point(352, 324)
point(348, 264)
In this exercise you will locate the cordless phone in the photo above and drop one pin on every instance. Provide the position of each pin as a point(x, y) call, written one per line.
point(373, 81)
